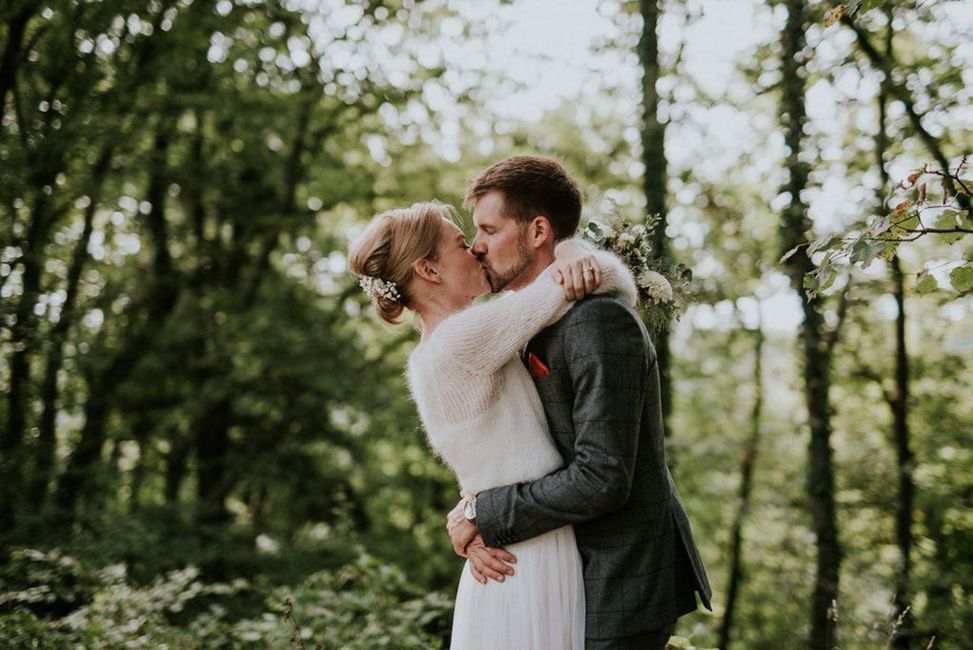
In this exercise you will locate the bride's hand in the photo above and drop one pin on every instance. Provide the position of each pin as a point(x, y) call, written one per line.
point(576, 270)
point(489, 563)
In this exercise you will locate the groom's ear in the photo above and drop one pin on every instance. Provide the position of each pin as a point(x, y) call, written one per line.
point(540, 232)
point(426, 270)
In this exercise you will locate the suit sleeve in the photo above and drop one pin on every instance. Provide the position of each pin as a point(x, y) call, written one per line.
point(608, 359)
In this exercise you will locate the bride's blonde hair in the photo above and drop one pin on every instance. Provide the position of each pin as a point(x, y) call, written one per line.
point(391, 244)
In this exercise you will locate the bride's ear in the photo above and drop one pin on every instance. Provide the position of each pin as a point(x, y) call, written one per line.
point(540, 232)
point(426, 270)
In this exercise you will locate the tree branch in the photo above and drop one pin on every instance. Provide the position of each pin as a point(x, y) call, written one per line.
point(901, 93)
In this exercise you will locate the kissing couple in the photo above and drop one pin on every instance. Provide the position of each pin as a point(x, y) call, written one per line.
point(545, 403)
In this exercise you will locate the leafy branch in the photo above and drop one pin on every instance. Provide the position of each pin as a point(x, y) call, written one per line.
point(948, 217)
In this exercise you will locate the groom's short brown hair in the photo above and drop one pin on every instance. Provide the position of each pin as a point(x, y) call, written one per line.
point(532, 186)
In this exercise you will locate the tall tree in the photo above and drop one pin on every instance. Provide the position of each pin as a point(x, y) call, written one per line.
point(47, 435)
point(794, 230)
point(149, 317)
point(898, 398)
point(43, 76)
point(744, 494)
point(655, 176)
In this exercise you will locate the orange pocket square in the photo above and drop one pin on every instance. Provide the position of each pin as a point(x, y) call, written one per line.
point(537, 367)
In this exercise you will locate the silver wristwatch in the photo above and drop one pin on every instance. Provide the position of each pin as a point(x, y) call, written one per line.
point(469, 509)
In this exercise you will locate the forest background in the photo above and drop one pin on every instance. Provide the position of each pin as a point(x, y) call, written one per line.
point(205, 438)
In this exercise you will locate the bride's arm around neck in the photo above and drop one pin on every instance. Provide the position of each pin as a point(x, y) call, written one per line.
point(484, 337)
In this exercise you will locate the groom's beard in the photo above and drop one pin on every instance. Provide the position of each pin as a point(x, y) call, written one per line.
point(500, 278)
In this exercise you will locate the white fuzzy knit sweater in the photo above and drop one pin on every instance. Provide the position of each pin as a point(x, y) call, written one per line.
point(476, 399)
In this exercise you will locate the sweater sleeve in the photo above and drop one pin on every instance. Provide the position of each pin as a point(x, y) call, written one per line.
point(482, 338)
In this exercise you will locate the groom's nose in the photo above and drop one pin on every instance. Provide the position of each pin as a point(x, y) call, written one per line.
point(479, 248)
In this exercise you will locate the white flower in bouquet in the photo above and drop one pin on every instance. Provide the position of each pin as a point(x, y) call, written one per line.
point(626, 239)
point(657, 286)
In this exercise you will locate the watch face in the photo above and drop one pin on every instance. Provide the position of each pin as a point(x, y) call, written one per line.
point(469, 510)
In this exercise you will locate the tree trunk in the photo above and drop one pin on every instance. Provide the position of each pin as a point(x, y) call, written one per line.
point(654, 177)
point(140, 433)
point(746, 483)
point(900, 426)
point(212, 444)
point(176, 465)
point(22, 342)
point(16, 26)
point(47, 438)
point(795, 226)
point(211, 429)
point(76, 481)
point(899, 399)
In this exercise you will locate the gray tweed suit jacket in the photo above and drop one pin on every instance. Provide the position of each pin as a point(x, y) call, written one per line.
point(602, 401)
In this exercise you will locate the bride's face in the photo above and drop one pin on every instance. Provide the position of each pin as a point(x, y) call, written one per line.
point(462, 273)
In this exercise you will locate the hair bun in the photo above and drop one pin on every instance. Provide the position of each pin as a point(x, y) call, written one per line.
point(389, 310)
point(384, 255)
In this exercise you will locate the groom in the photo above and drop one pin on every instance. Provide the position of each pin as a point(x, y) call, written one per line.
point(597, 377)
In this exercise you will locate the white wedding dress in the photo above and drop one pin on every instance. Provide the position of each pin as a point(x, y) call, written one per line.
point(483, 416)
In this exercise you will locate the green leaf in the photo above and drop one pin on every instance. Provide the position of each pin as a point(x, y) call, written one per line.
point(595, 232)
point(859, 252)
point(888, 249)
point(966, 219)
point(947, 220)
point(679, 642)
point(962, 278)
point(812, 281)
point(825, 241)
point(925, 283)
point(828, 275)
point(789, 254)
point(909, 223)
point(878, 225)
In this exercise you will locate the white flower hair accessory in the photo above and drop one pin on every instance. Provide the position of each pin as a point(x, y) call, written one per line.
point(379, 288)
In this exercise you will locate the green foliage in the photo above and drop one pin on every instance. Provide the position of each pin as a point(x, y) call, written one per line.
point(947, 218)
point(363, 604)
point(46, 582)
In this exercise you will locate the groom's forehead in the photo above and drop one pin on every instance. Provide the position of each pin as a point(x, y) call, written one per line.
point(491, 209)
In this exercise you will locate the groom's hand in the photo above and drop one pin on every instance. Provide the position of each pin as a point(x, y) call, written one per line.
point(486, 562)
point(461, 530)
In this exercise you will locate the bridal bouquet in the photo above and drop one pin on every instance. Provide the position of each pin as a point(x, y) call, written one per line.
point(663, 284)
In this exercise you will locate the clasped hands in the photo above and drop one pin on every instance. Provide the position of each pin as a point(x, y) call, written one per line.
point(485, 562)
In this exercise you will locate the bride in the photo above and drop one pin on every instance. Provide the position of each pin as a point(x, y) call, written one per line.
point(478, 403)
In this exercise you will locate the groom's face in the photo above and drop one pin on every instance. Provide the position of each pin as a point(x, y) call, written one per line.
point(501, 241)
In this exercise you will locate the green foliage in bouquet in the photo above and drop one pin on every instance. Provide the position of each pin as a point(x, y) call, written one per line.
point(663, 284)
